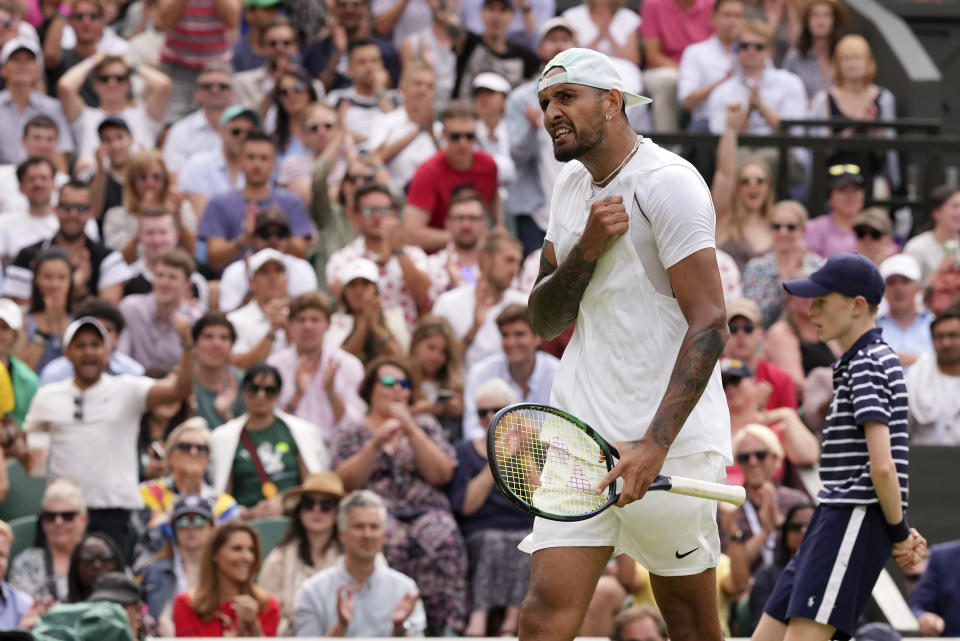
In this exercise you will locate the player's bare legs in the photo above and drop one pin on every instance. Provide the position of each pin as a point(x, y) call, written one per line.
point(562, 581)
point(689, 605)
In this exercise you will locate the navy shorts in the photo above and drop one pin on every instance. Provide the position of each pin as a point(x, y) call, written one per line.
point(830, 578)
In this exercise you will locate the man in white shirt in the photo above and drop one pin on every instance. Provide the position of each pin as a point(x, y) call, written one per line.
point(458, 263)
point(88, 425)
point(706, 64)
point(769, 95)
point(200, 130)
point(271, 229)
point(39, 139)
point(933, 386)
point(403, 138)
point(523, 365)
point(260, 324)
point(472, 309)
point(368, 97)
point(320, 384)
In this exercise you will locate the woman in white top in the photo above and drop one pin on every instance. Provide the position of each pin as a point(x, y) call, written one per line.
point(930, 247)
point(604, 25)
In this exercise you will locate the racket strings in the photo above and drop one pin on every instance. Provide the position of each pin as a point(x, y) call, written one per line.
point(549, 462)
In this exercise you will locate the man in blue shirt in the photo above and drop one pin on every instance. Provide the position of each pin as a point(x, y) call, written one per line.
point(906, 326)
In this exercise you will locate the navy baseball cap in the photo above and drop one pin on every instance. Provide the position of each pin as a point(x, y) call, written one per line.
point(848, 274)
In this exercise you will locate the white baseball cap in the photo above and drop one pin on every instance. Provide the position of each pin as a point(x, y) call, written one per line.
point(590, 68)
point(556, 22)
point(901, 265)
point(263, 257)
point(491, 81)
point(10, 314)
point(17, 43)
point(359, 268)
point(80, 323)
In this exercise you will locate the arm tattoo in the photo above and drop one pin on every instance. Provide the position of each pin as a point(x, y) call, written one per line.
point(555, 299)
point(694, 365)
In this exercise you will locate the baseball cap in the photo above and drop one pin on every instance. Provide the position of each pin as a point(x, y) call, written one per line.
point(898, 265)
point(590, 68)
point(844, 174)
point(359, 268)
point(491, 81)
point(16, 44)
point(115, 587)
point(270, 217)
point(263, 257)
point(192, 504)
point(10, 314)
point(506, 3)
point(848, 274)
point(82, 323)
point(235, 111)
point(112, 121)
point(744, 307)
point(557, 22)
point(874, 218)
point(734, 368)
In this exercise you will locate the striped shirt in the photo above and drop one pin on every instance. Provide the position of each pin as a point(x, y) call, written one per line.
point(199, 38)
point(868, 386)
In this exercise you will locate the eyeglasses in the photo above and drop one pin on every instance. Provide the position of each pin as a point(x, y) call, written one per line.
point(279, 43)
point(78, 408)
point(784, 226)
point(80, 208)
point(744, 457)
point(839, 170)
point(756, 46)
point(66, 517)
point(458, 135)
point(383, 210)
point(155, 176)
point(210, 86)
point(192, 448)
point(273, 232)
point(91, 16)
point(315, 128)
point(238, 131)
point(752, 180)
point(289, 91)
point(746, 328)
point(325, 505)
point(191, 520)
point(795, 527)
point(118, 78)
point(862, 231)
point(90, 559)
point(268, 390)
point(487, 411)
point(390, 381)
point(358, 178)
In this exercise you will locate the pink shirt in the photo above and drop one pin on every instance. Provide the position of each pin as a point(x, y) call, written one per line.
point(824, 237)
point(674, 27)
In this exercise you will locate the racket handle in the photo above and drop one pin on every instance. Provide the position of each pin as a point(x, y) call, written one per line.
point(733, 494)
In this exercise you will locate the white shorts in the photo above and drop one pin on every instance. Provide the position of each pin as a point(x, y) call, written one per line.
point(669, 534)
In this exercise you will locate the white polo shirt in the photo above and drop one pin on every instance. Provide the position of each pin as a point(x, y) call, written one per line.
point(234, 283)
point(703, 63)
point(252, 325)
point(457, 306)
point(92, 436)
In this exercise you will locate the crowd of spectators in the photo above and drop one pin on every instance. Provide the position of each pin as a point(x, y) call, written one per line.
point(269, 259)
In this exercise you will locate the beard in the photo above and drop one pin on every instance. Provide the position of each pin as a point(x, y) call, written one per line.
point(585, 140)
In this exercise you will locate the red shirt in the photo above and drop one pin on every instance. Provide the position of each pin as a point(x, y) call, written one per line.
point(188, 624)
point(436, 181)
point(784, 392)
point(674, 27)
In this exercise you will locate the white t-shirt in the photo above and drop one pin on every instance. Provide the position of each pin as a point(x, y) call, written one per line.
point(625, 22)
point(457, 306)
point(143, 128)
point(20, 229)
point(252, 326)
point(234, 283)
point(12, 199)
point(701, 64)
point(92, 435)
point(628, 333)
point(393, 126)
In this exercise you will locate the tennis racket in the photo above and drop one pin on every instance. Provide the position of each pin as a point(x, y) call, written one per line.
point(549, 463)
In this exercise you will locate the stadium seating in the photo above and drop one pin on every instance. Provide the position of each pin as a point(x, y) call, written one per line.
point(26, 493)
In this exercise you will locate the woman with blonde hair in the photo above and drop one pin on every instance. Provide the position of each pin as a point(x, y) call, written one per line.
point(436, 365)
point(764, 275)
point(227, 601)
point(146, 184)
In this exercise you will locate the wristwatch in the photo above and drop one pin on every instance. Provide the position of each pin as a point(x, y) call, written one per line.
point(739, 537)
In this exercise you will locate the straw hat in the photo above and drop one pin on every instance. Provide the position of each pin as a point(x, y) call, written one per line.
point(321, 483)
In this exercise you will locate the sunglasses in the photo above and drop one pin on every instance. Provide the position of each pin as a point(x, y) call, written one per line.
point(325, 505)
point(279, 43)
point(79, 17)
point(192, 448)
point(118, 78)
point(752, 180)
point(66, 517)
point(289, 91)
point(390, 381)
point(862, 232)
point(210, 86)
point(746, 328)
point(77, 207)
point(269, 390)
point(191, 520)
point(487, 411)
point(238, 131)
point(358, 178)
point(268, 233)
point(156, 176)
point(90, 559)
point(839, 170)
point(78, 408)
point(756, 46)
point(795, 527)
point(744, 457)
point(459, 135)
point(784, 226)
point(383, 210)
point(315, 128)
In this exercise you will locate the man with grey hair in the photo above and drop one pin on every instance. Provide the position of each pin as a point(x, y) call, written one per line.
point(359, 597)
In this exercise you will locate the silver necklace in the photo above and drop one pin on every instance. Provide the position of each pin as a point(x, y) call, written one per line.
point(626, 159)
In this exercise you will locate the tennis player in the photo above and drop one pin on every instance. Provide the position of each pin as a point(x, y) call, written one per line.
point(629, 255)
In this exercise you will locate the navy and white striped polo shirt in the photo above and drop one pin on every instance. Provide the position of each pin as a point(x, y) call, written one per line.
point(868, 386)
